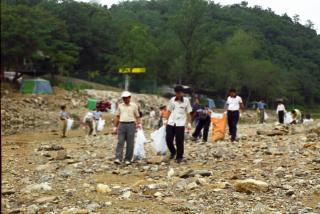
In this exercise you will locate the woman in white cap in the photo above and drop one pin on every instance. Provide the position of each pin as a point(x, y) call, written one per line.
point(126, 121)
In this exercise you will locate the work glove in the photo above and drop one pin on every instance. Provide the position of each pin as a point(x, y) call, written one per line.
point(189, 128)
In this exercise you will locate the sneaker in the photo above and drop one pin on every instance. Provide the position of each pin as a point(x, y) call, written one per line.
point(180, 160)
point(172, 156)
point(127, 162)
point(117, 161)
point(193, 138)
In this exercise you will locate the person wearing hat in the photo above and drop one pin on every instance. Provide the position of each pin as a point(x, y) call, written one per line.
point(126, 121)
point(179, 112)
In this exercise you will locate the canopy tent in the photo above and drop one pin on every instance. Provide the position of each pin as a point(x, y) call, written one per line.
point(36, 86)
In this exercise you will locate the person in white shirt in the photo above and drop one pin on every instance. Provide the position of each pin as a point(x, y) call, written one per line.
point(179, 112)
point(233, 104)
point(281, 110)
point(63, 115)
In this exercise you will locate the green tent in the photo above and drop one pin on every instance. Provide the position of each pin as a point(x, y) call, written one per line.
point(36, 86)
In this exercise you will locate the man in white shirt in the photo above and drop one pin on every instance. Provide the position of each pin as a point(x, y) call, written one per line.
point(233, 104)
point(179, 112)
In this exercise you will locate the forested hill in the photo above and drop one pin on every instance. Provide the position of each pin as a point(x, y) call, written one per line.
point(195, 42)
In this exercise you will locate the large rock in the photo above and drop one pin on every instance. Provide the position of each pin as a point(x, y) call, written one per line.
point(46, 199)
point(42, 187)
point(157, 160)
point(192, 173)
point(251, 185)
point(103, 188)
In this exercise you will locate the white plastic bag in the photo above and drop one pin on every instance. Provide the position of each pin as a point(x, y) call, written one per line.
point(266, 117)
point(159, 143)
point(69, 124)
point(139, 145)
point(100, 125)
point(288, 118)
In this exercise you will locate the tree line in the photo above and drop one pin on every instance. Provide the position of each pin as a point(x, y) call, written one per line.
point(194, 42)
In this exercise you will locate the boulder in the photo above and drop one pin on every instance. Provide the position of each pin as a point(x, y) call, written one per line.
point(251, 185)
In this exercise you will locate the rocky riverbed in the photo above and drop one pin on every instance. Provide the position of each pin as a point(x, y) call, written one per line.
point(272, 169)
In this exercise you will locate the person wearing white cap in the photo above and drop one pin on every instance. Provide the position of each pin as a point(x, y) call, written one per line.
point(126, 121)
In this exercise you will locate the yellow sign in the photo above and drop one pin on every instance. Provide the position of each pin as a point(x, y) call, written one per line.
point(132, 70)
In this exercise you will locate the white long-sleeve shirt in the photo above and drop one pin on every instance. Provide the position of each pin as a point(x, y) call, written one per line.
point(281, 107)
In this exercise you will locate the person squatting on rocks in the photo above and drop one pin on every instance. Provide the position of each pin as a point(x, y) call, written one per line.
point(63, 115)
point(281, 111)
point(126, 121)
point(179, 112)
point(96, 116)
point(296, 116)
point(261, 109)
point(90, 123)
point(233, 104)
point(204, 120)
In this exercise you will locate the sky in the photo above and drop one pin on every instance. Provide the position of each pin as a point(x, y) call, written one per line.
point(306, 9)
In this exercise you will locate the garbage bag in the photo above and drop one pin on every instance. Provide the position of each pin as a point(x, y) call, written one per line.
point(219, 124)
point(159, 143)
point(139, 152)
point(288, 118)
point(69, 124)
point(100, 125)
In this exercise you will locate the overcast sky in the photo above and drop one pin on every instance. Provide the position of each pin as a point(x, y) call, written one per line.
point(306, 9)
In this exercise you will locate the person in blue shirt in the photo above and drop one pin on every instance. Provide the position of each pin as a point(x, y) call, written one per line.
point(96, 116)
point(261, 108)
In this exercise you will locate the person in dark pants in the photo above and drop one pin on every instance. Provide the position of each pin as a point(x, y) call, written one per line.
point(126, 121)
point(63, 115)
point(281, 110)
point(233, 104)
point(179, 111)
point(204, 117)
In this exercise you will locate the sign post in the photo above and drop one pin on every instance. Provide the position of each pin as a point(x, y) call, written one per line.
point(127, 71)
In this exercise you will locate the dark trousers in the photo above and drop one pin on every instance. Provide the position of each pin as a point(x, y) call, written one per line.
point(281, 116)
point(126, 132)
point(233, 118)
point(178, 133)
point(261, 115)
point(202, 124)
